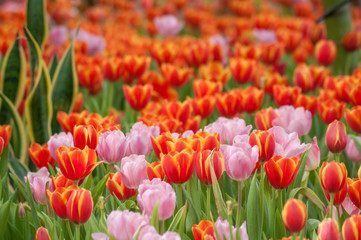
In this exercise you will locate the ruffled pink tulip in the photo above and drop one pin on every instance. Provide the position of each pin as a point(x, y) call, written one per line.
point(149, 233)
point(287, 145)
point(222, 227)
point(139, 139)
point(59, 140)
point(38, 181)
point(228, 129)
point(239, 161)
point(351, 150)
point(133, 170)
point(150, 192)
point(111, 146)
point(293, 119)
point(122, 225)
point(314, 157)
point(168, 25)
point(349, 207)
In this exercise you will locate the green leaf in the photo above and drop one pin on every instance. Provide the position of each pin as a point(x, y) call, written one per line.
point(99, 188)
point(20, 148)
point(177, 218)
point(36, 20)
point(38, 108)
point(34, 53)
point(4, 213)
point(13, 79)
point(279, 230)
point(312, 224)
point(52, 66)
point(64, 87)
point(311, 195)
point(154, 218)
point(253, 211)
point(4, 159)
point(301, 170)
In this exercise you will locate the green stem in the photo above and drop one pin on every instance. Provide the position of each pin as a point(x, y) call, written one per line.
point(239, 205)
point(337, 157)
point(110, 95)
point(77, 232)
point(180, 195)
point(209, 202)
point(332, 195)
point(70, 233)
point(161, 227)
point(261, 194)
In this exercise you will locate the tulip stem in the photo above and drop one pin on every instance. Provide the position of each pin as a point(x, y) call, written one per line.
point(332, 195)
point(261, 195)
point(239, 205)
point(70, 233)
point(180, 195)
point(209, 202)
point(337, 157)
point(77, 232)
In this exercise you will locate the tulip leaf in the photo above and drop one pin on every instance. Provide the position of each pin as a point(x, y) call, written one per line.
point(279, 229)
point(36, 20)
point(189, 199)
point(38, 108)
point(154, 218)
point(99, 188)
point(357, 143)
point(53, 66)
point(19, 169)
point(64, 87)
point(301, 170)
point(312, 224)
point(4, 159)
point(311, 195)
point(177, 218)
point(13, 68)
point(4, 213)
point(253, 211)
point(34, 53)
point(20, 145)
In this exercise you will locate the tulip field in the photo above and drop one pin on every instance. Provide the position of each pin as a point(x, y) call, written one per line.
point(180, 119)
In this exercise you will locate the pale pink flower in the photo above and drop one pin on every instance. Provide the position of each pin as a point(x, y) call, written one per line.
point(59, 140)
point(265, 36)
point(122, 225)
point(38, 181)
point(349, 207)
point(168, 25)
point(139, 139)
point(293, 119)
point(314, 157)
point(95, 43)
point(149, 233)
point(111, 147)
point(351, 150)
point(58, 35)
point(133, 170)
point(222, 228)
point(150, 192)
point(99, 236)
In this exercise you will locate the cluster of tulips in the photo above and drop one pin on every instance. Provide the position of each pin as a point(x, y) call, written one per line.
point(172, 120)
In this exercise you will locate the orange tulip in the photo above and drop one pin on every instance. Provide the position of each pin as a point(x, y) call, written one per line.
point(353, 118)
point(203, 168)
point(183, 143)
point(319, 74)
point(281, 171)
point(193, 123)
point(78, 103)
point(333, 176)
point(266, 144)
point(248, 52)
point(252, 99)
point(203, 106)
point(336, 138)
point(285, 95)
point(351, 229)
point(136, 66)
point(163, 52)
point(167, 124)
point(209, 141)
point(174, 75)
point(354, 95)
point(203, 231)
point(325, 52)
point(155, 170)
point(242, 69)
point(291, 39)
point(5, 133)
point(177, 110)
point(59, 199)
point(75, 163)
point(113, 69)
point(302, 78)
point(40, 155)
point(138, 96)
point(1, 145)
point(228, 104)
point(271, 52)
point(69, 121)
point(294, 215)
point(351, 41)
point(264, 118)
point(307, 102)
point(160, 143)
point(80, 206)
point(60, 181)
point(215, 72)
point(91, 77)
point(85, 136)
point(198, 53)
point(117, 188)
point(204, 88)
point(330, 110)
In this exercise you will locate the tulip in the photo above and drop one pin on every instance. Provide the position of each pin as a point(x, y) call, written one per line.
point(353, 117)
point(203, 106)
point(351, 228)
point(265, 142)
point(117, 188)
point(294, 215)
point(2, 143)
point(281, 171)
point(113, 69)
point(5, 133)
point(85, 136)
point(328, 230)
point(354, 191)
point(40, 155)
point(314, 156)
point(149, 232)
point(228, 104)
point(291, 39)
point(59, 140)
point(179, 166)
point(215, 72)
point(80, 206)
point(176, 76)
point(38, 181)
point(155, 170)
point(336, 138)
point(351, 41)
point(137, 96)
point(197, 53)
point(151, 192)
point(177, 110)
point(192, 143)
point(332, 176)
point(203, 166)
point(223, 230)
point(160, 143)
point(228, 129)
point(302, 78)
point(285, 95)
point(99, 236)
point(264, 118)
point(330, 110)
point(204, 88)
point(307, 102)
point(130, 222)
point(242, 69)
point(59, 199)
point(68, 122)
point(164, 52)
point(203, 231)
point(133, 170)
point(91, 77)
point(102, 128)
point(240, 161)
point(271, 52)
point(338, 197)
point(252, 99)
point(354, 94)
point(78, 103)
point(75, 163)
point(266, 80)
point(325, 52)
point(111, 147)
point(136, 66)
point(168, 25)
point(42, 234)
point(209, 141)
point(351, 149)
point(138, 140)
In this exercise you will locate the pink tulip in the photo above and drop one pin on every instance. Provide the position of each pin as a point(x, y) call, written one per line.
point(265, 36)
point(149, 233)
point(133, 170)
point(351, 150)
point(58, 35)
point(99, 236)
point(38, 181)
point(111, 147)
point(222, 228)
point(150, 192)
point(228, 129)
point(239, 161)
point(314, 157)
point(59, 140)
point(139, 139)
point(168, 25)
point(349, 207)
point(293, 119)
point(287, 145)
point(95, 43)
point(122, 225)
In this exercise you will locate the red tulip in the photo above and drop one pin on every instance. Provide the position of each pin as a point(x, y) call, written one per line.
point(80, 206)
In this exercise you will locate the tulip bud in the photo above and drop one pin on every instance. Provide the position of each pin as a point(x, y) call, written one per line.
point(133, 170)
point(203, 166)
point(85, 136)
point(136, 66)
point(339, 197)
point(314, 156)
point(351, 228)
point(80, 206)
point(204, 88)
point(351, 41)
point(330, 110)
point(266, 144)
point(228, 103)
point(176, 76)
point(252, 99)
point(42, 234)
point(281, 171)
point(22, 213)
point(209, 141)
point(5, 133)
point(294, 215)
point(203, 106)
point(332, 176)
point(138, 96)
point(203, 231)
point(307, 102)
point(328, 230)
point(325, 52)
point(242, 69)
point(353, 117)
point(336, 138)
point(113, 69)
point(303, 78)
